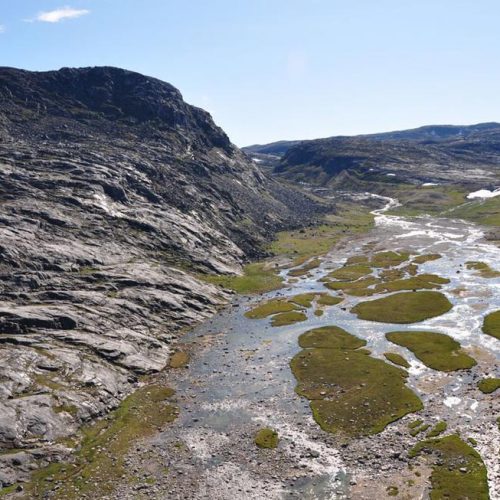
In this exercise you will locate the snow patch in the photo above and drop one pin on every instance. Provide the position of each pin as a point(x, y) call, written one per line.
point(483, 194)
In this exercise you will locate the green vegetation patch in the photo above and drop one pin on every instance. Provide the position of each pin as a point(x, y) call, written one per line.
point(330, 337)
point(397, 359)
point(428, 257)
point(99, 462)
point(489, 385)
point(266, 438)
point(405, 307)
point(389, 259)
point(270, 307)
point(349, 391)
point(420, 282)
point(392, 491)
point(491, 324)
point(259, 277)
point(318, 240)
point(415, 424)
point(358, 288)
point(357, 259)
point(350, 273)
point(417, 430)
point(309, 266)
point(438, 429)
point(436, 350)
point(325, 299)
point(483, 269)
point(485, 212)
point(458, 471)
point(179, 359)
point(288, 318)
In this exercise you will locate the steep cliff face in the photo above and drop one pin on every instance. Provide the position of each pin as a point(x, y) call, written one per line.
point(114, 195)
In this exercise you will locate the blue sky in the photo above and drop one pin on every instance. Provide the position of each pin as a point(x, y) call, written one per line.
point(282, 69)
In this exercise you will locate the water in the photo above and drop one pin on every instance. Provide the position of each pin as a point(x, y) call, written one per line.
point(239, 378)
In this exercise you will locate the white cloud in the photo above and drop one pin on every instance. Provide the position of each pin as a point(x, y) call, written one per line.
point(54, 16)
point(2, 28)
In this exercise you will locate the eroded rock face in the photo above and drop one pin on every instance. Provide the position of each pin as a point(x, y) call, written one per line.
point(114, 195)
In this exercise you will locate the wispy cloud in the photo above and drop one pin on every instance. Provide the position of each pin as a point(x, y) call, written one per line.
point(54, 16)
point(2, 28)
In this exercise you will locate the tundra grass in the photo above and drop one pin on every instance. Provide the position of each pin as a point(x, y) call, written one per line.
point(179, 359)
point(405, 307)
point(436, 350)
point(350, 392)
point(397, 359)
point(458, 471)
point(428, 257)
point(483, 269)
point(484, 212)
point(326, 299)
point(438, 429)
point(491, 324)
point(309, 266)
point(330, 337)
point(415, 431)
point(389, 259)
point(318, 240)
point(99, 461)
point(270, 307)
point(350, 273)
point(288, 318)
point(489, 385)
point(420, 282)
point(304, 299)
point(258, 277)
point(266, 438)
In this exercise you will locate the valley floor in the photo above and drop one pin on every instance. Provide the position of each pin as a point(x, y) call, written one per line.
point(233, 378)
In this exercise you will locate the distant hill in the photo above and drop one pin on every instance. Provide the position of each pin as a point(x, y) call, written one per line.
point(435, 153)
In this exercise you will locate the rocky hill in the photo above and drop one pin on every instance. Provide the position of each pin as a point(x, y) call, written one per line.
point(115, 195)
point(445, 154)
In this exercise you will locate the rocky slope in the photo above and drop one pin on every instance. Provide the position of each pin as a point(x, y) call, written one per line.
point(115, 195)
point(445, 154)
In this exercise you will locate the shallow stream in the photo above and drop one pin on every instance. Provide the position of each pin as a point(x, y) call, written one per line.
point(239, 380)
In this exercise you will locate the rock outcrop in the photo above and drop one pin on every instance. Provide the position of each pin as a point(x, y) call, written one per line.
point(115, 195)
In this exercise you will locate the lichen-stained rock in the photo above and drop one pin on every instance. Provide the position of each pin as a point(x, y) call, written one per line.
point(114, 195)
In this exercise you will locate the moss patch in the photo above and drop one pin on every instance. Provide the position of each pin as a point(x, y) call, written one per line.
point(288, 318)
point(179, 359)
point(457, 471)
point(420, 282)
point(491, 324)
point(350, 392)
point(489, 385)
point(406, 307)
point(259, 277)
point(318, 240)
point(330, 337)
point(418, 429)
point(326, 299)
point(422, 259)
point(483, 269)
point(301, 271)
point(438, 429)
point(99, 462)
point(436, 350)
point(397, 359)
point(270, 307)
point(389, 259)
point(350, 273)
point(266, 438)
